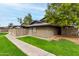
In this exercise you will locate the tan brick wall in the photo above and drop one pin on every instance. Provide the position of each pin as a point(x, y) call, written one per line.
point(12, 32)
point(18, 31)
point(70, 31)
point(44, 32)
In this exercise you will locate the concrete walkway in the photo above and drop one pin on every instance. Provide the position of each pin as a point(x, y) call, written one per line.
point(28, 48)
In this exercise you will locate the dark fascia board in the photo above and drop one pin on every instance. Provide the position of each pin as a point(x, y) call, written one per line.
point(45, 26)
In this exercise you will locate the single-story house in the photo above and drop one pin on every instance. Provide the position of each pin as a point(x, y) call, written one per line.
point(43, 30)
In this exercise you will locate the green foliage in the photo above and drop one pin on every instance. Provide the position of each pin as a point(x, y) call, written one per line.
point(26, 20)
point(10, 25)
point(63, 14)
point(20, 20)
point(3, 33)
point(61, 48)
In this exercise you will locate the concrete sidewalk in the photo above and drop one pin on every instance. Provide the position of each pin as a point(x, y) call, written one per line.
point(28, 48)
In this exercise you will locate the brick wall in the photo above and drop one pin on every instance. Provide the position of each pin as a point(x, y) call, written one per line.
point(3, 29)
point(18, 31)
point(71, 31)
point(43, 32)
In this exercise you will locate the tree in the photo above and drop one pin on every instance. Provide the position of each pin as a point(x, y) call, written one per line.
point(20, 20)
point(62, 14)
point(10, 25)
point(27, 19)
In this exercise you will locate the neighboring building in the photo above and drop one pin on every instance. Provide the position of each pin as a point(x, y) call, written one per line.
point(4, 29)
point(43, 30)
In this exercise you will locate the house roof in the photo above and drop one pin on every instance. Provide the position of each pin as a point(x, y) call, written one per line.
point(40, 25)
point(36, 21)
point(43, 19)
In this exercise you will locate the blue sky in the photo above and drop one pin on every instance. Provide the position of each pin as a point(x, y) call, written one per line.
point(10, 12)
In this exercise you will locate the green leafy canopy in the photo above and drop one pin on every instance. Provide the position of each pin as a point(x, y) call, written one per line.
point(26, 20)
point(63, 14)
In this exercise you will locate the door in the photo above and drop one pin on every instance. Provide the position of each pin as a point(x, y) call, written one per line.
point(59, 30)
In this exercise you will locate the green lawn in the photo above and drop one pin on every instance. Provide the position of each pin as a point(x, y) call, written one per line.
point(7, 48)
point(3, 33)
point(60, 48)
